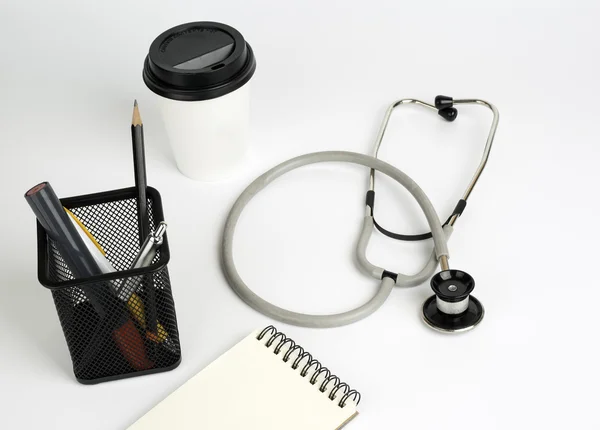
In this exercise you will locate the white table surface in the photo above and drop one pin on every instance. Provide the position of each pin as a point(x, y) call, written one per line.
point(69, 72)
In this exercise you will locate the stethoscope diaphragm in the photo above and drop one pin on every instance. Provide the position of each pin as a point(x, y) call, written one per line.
point(452, 308)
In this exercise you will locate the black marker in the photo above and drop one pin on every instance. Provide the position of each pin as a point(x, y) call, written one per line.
point(50, 213)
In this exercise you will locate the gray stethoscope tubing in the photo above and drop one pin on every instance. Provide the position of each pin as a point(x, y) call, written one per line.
point(387, 283)
point(369, 222)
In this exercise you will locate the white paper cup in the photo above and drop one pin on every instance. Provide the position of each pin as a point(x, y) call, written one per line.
point(200, 73)
point(208, 137)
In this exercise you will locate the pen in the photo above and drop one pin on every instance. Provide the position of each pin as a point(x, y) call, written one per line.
point(149, 247)
point(143, 259)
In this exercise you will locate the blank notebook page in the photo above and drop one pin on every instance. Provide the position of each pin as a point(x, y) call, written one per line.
point(251, 387)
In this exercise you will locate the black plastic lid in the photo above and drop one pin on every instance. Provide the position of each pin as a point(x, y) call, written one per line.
point(198, 61)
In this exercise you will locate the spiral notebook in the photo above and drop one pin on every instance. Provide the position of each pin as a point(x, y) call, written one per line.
point(265, 382)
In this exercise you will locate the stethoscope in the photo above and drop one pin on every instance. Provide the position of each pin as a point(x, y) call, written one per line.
point(452, 308)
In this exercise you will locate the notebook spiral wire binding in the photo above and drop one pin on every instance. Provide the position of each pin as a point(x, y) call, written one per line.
point(311, 365)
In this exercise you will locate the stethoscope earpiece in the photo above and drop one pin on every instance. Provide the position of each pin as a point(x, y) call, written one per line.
point(444, 105)
point(449, 113)
point(452, 308)
point(443, 102)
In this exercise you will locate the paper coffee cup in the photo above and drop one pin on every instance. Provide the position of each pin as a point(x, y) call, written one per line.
point(201, 73)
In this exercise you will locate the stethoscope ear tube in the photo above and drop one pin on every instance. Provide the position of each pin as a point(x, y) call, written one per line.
point(442, 104)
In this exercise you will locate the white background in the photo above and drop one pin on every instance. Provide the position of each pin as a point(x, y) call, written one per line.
point(69, 72)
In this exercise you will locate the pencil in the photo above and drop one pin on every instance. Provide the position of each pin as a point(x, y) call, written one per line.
point(139, 167)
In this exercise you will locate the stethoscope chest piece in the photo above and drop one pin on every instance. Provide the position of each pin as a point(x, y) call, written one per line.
point(452, 308)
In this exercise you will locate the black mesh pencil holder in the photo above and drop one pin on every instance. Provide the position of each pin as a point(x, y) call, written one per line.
point(120, 324)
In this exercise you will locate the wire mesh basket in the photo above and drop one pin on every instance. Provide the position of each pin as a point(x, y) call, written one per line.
point(120, 324)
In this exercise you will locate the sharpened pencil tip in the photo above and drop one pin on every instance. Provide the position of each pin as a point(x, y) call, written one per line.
point(135, 103)
point(137, 119)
